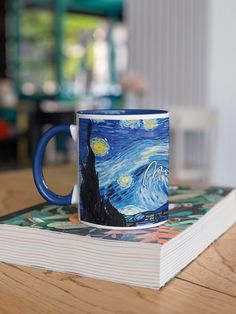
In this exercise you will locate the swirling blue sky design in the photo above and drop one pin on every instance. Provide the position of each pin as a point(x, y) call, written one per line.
point(132, 148)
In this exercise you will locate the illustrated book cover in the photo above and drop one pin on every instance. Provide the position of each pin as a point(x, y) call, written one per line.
point(51, 236)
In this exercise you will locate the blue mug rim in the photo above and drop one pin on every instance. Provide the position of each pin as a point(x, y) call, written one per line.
point(122, 112)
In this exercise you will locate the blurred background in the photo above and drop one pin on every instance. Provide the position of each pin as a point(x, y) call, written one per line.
point(58, 56)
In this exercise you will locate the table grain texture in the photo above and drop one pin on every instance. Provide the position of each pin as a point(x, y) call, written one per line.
point(207, 285)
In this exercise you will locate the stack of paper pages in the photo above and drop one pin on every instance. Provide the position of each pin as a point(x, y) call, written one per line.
point(51, 237)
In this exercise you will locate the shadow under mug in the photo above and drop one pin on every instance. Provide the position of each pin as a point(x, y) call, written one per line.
point(122, 167)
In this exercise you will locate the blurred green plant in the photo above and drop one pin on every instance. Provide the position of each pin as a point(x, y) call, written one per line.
point(37, 45)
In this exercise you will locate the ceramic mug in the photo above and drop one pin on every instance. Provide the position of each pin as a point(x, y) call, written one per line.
point(123, 165)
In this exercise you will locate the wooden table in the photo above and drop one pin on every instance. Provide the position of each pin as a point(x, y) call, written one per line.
point(208, 285)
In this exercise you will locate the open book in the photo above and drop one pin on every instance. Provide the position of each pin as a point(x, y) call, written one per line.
point(50, 236)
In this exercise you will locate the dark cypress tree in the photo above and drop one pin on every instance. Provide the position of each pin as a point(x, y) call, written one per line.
point(96, 209)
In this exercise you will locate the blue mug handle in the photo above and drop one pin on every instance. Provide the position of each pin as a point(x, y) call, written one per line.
point(38, 166)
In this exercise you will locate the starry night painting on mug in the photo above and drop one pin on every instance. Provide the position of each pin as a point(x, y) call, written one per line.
point(124, 171)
